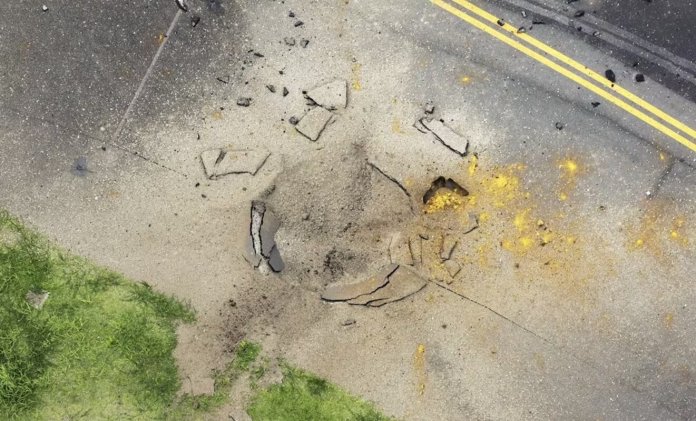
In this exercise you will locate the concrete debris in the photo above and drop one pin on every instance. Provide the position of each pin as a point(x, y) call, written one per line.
point(195, 20)
point(415, 245)
point(444, 183)
point(290, 41)
point(285, 91)
point(344, 292)
point(298, 23)
point(313, 123)
point(403, 283)
point(304, 43)
point(291, 14)
point(331, 96)
point(610, 75)
point(293, 120)
point(271, 88)
point(45, 8)
point(579, 14)
point(220, 162)
point(594, 104)
point(452, 268)
point(429, 108)
point(348, 322)
point(399, 250)
point(639, 77)
point(559, 125)
point(449, 242)
point(448, 137)
point(36, 299)
point(244, 101)
point(260, 244)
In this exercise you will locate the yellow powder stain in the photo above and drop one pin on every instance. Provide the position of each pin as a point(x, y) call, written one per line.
point(160, 38)
point(503, 186)
point(473, 165)
point(676, 231)
point(419, 368)
point(570, 169)
point(484, 217)
point(465, 80)
point(668, 321)
point(356, 71)
point(442, 200)
point(217, 115)
point(663, 157)
point(521, 220)
point(396, 126)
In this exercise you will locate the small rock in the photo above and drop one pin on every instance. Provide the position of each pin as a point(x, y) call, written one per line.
point(291, 14)
point(579, 13)
point(244, 101)
point(285, 91)
point(595, 104)
point(80, 167)
point(639, 77)
point(559, 125)
point(304, 43)
point(293, 120)
point(36, 299)
point(313, 123)
point(449, 242)
point(452, 268)
point(44, 8)
point(182, 5)
point(524, 13)
point(271, 88)
point(610, 75)
point(521, 30)
point(195, 20)
point(348, 322)
point(298, 23)
point(289, 41)
point(429, 108)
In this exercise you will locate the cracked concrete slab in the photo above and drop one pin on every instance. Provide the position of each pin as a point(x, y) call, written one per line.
point(343, 292)
point(332, 96)
point(221, 162)
point(448, 137)
point(313, 123)
point(402, 283)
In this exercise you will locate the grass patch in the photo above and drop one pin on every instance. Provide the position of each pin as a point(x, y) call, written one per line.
point(301, 396)
point(101, 346)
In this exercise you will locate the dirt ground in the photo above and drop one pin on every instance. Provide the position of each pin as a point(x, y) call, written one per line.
point(573, 299)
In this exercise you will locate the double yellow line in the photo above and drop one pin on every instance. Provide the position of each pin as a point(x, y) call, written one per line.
point(687, 135)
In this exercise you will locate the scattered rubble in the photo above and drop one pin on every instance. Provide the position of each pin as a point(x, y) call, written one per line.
point(448, 137)
point(221, 161)
point(244, 101)
point(298, 23)
point(313, 123)
point(260, 244)
point(344, 292)
point(610, 75)
point(36, 299)
point(331, 96)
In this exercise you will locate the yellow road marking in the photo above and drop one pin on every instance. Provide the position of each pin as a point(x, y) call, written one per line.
point(579, 67)
point(565, 72)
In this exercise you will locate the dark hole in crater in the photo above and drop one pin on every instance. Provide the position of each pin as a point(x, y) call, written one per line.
point(444, 183)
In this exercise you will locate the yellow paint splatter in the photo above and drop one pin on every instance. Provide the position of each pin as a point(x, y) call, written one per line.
point(419, 368)
point(356, 71)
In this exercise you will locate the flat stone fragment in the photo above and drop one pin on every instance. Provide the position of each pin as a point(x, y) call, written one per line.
point(345, 292)
point(415, 244)
point(449, 242)
point(313, 123)
point(402, 283)
point(269, 227)
point(250, 254)
point(399, 250)
point(331, 96)
point(219, 162)
point(275, 261)
point(37, 299)
point(447, 136)
point(452, 268)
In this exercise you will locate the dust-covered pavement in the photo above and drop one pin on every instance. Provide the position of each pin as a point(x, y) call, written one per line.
point(572, 297)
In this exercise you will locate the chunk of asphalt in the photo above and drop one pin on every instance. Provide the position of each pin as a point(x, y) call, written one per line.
point(344, 292)
point(220, 162)
point(452, 268)
point(399, 250)
point(449, 242)
point(36, 299)
point(403, 283)
point(293, 120)
point(639, 77)
point(448, 137)
point(610, 75)
point(275, 261)
point(313, 123)
point(331, 96)
point(269, 226)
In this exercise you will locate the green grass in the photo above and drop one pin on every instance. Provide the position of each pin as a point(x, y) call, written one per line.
point(101, 346)
point(302, 396)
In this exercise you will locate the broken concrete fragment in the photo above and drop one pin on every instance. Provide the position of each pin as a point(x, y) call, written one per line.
point(452, 267)
point(331, 96)
point(348, 322)
point(275, 261)
point(402, 283)
point(289, 41)
point(313, 123)
point(399, 250)
point(447, 136)
point(269, 226)
point(285, 91)
point(250, 254)
point(36, 299)
point(345, 292)
point(449, 242)
point(304, 43)
point(219, 162)
point(415, 244)
point(429, 108)
point(244, 101)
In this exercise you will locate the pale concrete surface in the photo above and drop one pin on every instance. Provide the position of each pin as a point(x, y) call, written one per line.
point(597, 328)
